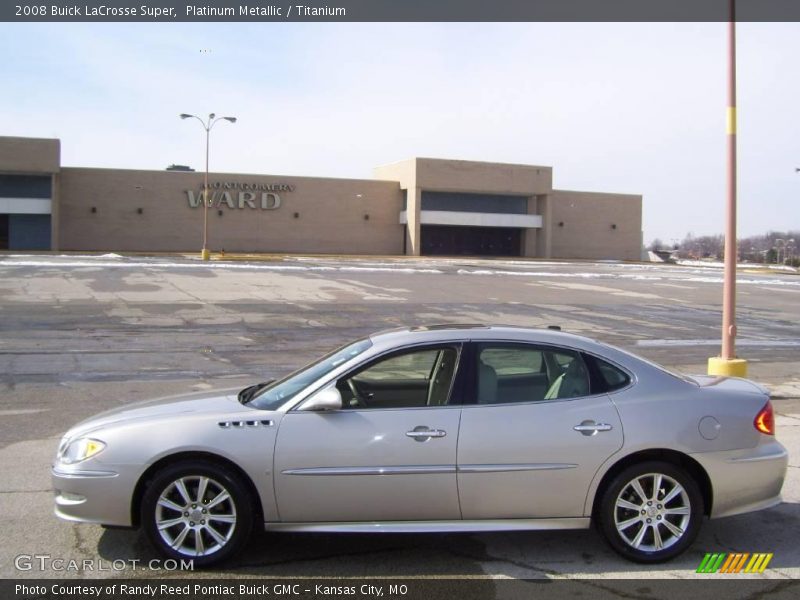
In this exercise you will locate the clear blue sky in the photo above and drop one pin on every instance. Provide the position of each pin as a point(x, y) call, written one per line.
point(635, 108)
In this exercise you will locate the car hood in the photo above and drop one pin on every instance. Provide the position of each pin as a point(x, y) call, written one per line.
point(222, 401)
point(732, 384)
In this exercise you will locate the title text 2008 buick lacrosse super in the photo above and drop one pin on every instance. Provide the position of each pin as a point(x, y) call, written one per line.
point(450, 428)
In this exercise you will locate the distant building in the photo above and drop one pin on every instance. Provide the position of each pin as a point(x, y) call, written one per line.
point(417, 206)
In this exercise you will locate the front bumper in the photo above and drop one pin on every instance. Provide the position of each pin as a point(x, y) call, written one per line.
point(100, 496)
point(745, 480)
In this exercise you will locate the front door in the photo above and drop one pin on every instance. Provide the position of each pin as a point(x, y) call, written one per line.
point(388, 455)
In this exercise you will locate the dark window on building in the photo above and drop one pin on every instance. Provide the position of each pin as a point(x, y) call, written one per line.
point(25, 186)
point(3, 232)
point(445, 240)
point(484, 203)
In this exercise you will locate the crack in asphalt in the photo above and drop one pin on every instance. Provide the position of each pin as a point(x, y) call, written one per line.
point(290, 561)
point(80, 546)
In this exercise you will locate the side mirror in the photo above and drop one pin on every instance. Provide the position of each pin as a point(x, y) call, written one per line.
point(325, 399)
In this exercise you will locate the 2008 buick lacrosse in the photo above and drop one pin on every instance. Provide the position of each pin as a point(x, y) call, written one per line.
point(446, 428)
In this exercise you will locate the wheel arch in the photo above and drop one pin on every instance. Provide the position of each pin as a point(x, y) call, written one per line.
point(694, 468)
point(165, 461)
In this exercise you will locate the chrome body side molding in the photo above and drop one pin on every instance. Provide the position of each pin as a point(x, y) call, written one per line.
point(514, 467)
point(423, 469)
point(404, 470)
point(433, 526)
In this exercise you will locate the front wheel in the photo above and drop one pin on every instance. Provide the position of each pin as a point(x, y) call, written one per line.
point(197, 511)
point(651, 512)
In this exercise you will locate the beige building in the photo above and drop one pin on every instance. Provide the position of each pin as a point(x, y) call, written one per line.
point(417, 206)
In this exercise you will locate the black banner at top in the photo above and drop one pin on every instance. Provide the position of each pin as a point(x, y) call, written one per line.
point(166, 11)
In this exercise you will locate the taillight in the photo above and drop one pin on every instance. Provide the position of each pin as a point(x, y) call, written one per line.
point(765, 419)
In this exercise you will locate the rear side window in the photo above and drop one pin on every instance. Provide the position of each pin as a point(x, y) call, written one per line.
point(510, 373)
point(613, 377)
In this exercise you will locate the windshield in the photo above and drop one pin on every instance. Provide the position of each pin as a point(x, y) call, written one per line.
point(279, 392)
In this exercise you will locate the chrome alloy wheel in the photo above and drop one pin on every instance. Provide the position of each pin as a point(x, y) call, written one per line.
point(652, 512)
point(195, 515)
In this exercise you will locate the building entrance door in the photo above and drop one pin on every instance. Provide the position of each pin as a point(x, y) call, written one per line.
point(471, 241)
point(3, 232)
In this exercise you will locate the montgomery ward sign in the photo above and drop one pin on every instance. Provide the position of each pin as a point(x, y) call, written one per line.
point(240, 195)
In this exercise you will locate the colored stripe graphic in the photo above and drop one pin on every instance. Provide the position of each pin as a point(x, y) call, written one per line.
point(704, 563)
point(741, 562)
point(758, 563)
point(722, 562)
point(728, 565)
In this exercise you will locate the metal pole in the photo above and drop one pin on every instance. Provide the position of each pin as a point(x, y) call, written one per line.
point(205, 253)
point(729, 286)
point(726, 364)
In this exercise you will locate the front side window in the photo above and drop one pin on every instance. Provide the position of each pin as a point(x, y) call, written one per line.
point(513, 373)
point(410, 379)
point(279, 392)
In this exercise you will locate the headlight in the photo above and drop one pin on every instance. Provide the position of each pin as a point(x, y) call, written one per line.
point(81, 449)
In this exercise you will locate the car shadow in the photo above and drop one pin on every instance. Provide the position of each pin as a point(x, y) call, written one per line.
point(520, 555)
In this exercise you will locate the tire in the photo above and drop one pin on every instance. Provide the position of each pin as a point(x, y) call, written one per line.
point(648, 529)
point(208, 525)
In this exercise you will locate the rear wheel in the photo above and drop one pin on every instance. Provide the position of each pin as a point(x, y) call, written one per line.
point(197, 511)
point(651, 512)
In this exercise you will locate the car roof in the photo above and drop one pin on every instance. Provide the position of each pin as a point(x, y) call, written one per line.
point(468, 331)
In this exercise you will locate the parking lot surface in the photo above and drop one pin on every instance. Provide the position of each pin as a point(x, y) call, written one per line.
point(79, 334)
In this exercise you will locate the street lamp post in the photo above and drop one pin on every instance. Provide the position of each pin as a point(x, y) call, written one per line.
point(207, 125)
point(780, 244)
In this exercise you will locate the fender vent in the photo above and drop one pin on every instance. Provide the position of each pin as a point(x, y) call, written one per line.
point(243, 424)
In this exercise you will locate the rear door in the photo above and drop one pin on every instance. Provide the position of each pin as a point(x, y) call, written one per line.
point(534, 435)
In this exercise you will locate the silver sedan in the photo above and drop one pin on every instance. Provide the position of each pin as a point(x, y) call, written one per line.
point(451, 428)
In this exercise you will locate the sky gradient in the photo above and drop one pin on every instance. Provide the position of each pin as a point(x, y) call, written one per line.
point(630, 108)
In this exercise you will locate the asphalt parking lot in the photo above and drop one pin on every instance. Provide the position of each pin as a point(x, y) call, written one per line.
point(79, 334)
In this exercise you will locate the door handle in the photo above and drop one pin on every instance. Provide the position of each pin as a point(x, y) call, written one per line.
point(591, 428)
point(421, 434)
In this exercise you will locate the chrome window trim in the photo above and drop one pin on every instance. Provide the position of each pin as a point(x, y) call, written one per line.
point(293, 404)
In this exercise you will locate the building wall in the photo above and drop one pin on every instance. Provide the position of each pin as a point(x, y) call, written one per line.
point(29, 155)
point(587, 231)
point(149, 211)
point(331, 214)
point(479, 177)
point(420, 175)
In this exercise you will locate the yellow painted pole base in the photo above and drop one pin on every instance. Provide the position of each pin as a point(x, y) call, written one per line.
point(205, 254)
point(727, 367)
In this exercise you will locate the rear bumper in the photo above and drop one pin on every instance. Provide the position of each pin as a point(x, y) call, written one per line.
point(745, 480)
point(92, 496)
